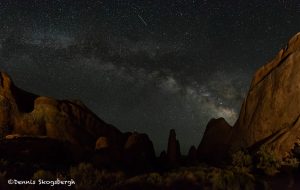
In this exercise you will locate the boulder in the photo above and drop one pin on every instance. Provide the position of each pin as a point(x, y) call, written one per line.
point(102, 143)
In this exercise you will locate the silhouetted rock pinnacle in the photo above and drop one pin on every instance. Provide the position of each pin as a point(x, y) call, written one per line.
point(192, 155)
point(215, 141)
point(139, 152)
point(173, 151)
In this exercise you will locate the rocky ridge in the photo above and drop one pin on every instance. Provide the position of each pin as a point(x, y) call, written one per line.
point(41, 125)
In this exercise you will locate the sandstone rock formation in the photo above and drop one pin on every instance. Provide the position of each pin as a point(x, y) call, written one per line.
point(270, 113)
point(163, 156)
point(138, 152)
point(192, 155)
point(24, 113)
point(37, 128)
point(173, 151)
point(215, 141)
point(105, 156)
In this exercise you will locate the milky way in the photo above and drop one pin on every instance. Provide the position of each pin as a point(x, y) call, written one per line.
point(144, 66)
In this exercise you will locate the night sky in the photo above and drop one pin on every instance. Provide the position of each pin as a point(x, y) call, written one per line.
point(145, 66)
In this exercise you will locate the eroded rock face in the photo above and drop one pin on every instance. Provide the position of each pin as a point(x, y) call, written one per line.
point(270, 113)
point(24, 113)
point(65, 128)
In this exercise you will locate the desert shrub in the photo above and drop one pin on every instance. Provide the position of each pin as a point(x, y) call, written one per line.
point(242, 162)
point(291, 162)
point(215, 179)
point(145, 181)
point(205, 177)
point(154, 178)
point(231, 179)
point(42, 174)
point(173, 176)
point(182, 178)
point(199, 174)
point(87, 177)
point(267, 161)
point(289, 165)
point(84, 176)
point(106, 180)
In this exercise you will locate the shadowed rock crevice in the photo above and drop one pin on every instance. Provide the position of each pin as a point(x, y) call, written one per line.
point(271, 70)
point(24, 100)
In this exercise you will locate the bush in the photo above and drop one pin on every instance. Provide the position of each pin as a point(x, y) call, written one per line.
point(108, 180)
point(87, 177)
point(242, 162)
point(267, 161)
point(42, 174)
point(84, 176)
point(145, 181)
point(291, 162)
point(204, 177)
